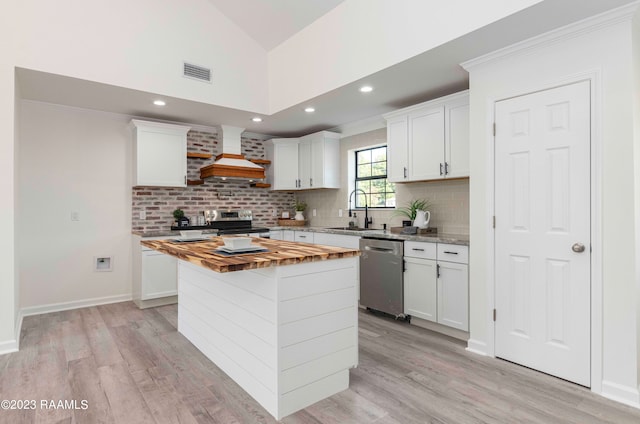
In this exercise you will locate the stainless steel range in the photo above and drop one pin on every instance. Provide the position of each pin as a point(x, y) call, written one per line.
point(228, 222)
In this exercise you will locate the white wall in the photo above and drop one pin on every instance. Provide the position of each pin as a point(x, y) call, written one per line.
point(450, 199)
point(8, 280)
point(73, 160)
point(606, 51)
point(636, 142)
point(141, 45)
point(361, 37)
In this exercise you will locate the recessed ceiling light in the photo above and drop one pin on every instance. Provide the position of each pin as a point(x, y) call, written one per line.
point(309, 109)
point(159, 102)
point(256, 119)
point(366, 89)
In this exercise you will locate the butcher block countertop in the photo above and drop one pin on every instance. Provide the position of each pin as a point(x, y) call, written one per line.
point(279, 253)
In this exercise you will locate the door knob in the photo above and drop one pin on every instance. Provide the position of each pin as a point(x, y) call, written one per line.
point(578, 247)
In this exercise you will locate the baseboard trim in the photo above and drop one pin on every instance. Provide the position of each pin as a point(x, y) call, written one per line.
point(477, 347)
point(18, 330)
point(9, 346)
point(623, 394)
point(76, 304)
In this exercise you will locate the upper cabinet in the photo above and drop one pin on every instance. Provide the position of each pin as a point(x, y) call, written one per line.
point(309, 162)
point(160, 154)
point(429, 141)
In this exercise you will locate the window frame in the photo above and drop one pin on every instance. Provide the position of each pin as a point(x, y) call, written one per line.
point(371, 178)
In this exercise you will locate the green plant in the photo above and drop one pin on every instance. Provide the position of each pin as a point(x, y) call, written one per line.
point(299, 205)
point(178, 214)
point(412, 208)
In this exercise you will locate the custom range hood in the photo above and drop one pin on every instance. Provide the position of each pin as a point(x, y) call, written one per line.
point(231, 164)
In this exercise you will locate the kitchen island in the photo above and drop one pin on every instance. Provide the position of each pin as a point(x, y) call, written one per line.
point(283, 324)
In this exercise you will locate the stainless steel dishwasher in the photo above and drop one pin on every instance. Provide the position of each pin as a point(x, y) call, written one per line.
point(381, 275)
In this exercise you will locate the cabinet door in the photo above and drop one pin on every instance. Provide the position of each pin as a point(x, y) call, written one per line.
point(303, 236)
point(305, 163)
point(288, 235)
point(457, 140)
point(285, 175)
point(276, 235)
point(426, 144)
point(160, 158)
point(159, 275)
point(453, 295)
point(420, 288)
point(397, 152)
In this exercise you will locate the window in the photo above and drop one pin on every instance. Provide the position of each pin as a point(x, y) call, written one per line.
point(371, 177)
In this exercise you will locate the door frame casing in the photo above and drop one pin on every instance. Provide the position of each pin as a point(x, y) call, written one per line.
point(594, 77)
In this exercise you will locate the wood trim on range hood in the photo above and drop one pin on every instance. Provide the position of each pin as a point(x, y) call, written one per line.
point(231, 163)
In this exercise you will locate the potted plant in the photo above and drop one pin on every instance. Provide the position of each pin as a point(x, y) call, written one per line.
point(412, 207)
point(181, 220)
point(299, 206)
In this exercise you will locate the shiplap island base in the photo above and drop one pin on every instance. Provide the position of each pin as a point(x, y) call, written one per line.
point(288, 335)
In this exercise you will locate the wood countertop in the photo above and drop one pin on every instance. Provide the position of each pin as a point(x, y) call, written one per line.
point(280, 253)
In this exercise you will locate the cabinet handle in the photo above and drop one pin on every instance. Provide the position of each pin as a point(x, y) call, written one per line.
point(438, 271)
point(451, 253)
point(302, 236)
point(441, 173)
point(446, 168)
point(310, 182)
point(405, 172)
point(419, 250)
point(185, 180)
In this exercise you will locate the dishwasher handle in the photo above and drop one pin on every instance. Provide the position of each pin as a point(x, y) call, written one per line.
point(378, 249)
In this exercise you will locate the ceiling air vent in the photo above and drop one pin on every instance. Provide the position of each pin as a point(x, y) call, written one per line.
point(196, 72)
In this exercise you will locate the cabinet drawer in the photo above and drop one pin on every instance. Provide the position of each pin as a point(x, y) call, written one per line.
point(303, 236)
point(417, 249)
point(453, 253)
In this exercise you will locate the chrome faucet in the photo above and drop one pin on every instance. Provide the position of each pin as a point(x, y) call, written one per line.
point(367, 220)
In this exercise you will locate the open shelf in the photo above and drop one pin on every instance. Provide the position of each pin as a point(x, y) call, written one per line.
point(199, 155)
point(195, 182)
point(260, 185)
point(260, 161)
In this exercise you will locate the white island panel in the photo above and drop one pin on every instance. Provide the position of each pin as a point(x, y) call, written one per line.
point(286, 334)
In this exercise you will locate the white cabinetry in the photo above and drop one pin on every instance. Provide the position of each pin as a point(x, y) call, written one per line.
point(436, 283)
point(303, 236)
point(453, 286)
point(288, 235)
point(154, 276)
point(160, 154)
point(420, 280)
point(276, 235)
point(312, 161)
point(283, 172)
point(337, 240)
point(429, 141)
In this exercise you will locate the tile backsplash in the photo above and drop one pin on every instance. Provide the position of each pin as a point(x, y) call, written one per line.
point(159, 202)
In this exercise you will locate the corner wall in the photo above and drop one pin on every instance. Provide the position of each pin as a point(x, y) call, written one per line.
point(73, 160)
point(8, 277)
point(605, 50)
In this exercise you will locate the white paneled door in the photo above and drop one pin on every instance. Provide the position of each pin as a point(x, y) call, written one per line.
point(542, 236)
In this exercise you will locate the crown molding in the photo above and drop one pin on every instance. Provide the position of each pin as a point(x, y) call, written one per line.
point(593, 23)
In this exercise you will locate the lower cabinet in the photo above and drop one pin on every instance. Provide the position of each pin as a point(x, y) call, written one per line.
point(155, 276)
point(436, 283)
point(420, 288)
point(303, 236)
point(453, 295)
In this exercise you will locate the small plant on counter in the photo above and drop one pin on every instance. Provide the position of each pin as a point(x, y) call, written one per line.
point(178, 214)
point(300, 205)
point(412, 207)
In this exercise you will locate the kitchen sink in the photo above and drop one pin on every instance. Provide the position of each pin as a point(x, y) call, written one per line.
point(349, 228)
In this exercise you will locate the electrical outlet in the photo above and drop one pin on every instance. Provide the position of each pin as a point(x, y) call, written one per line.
point(75, 216)
point(314, 213)
point(339, 213)
point(143, 215)
point(274, 213)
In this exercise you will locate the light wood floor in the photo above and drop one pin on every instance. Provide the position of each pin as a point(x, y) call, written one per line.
point(132, 366)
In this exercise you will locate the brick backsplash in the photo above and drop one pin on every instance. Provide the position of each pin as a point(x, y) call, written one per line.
point(160, 202)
